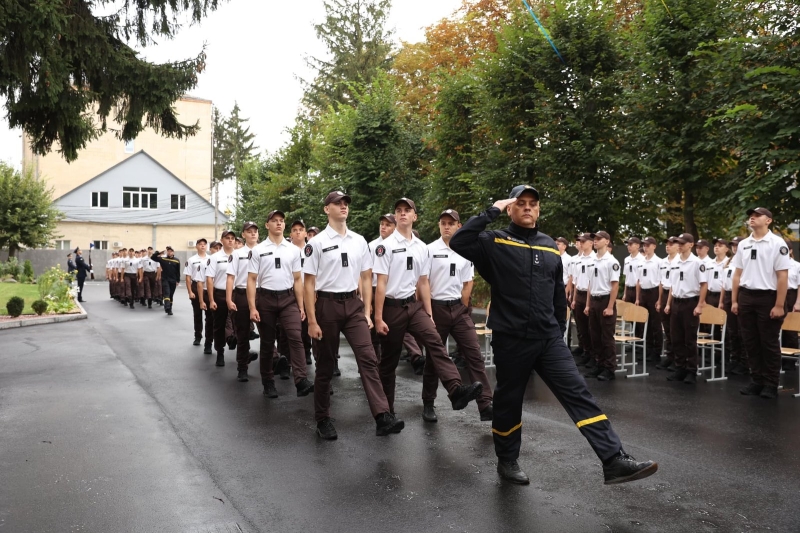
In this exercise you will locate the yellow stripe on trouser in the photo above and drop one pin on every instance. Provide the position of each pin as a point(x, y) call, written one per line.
point(498, 240)
point(507, 433)
point(588, 421)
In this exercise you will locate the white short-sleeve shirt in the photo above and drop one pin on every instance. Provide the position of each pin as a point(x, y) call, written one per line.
point(794, 275)
point(583, 270)
point(606, 271)
point(448, 272)
point(631, 269)
point(237, 266)
point(404, 261)
point(666, 271)
point(727, 276)
point(192, 267)
point(148, 265)
point(275, 265)
point(132, 265)
point(760, 260)
point(716, 274)
point(566, 264)
point(649, 272)
point(337, 261)
point(689, 276)
point(217, 269)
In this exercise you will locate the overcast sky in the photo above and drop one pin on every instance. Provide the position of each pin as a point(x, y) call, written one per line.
point(256, 51)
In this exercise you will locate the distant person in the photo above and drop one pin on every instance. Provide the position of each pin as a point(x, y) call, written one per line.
point(81, 269)
point(71, 268)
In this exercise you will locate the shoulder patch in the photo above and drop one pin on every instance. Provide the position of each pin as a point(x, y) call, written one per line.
point(615, 267)
point(784, 250)
point(380, 250)
point(702, 268)
point(308, 250)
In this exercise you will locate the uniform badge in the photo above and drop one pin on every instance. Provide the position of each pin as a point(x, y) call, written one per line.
point(380, 251)
point(209, 262)
point(230, 259)
point(308, 250)
point(616, 267)
point(702, 268)
point(250, 254)
point(784, 250)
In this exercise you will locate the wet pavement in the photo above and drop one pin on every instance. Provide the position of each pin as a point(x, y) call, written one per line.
point(118, 423)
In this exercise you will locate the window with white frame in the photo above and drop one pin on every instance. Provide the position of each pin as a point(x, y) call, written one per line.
point(63, 245)
point(139, 198)
point(178, 202)
point(128, 147)
point(101, 245)
point(99, 199)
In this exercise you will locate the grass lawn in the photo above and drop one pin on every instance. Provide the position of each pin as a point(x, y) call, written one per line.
point(29, 293)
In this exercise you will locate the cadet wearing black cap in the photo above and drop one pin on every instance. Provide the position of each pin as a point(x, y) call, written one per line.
point(582, 271)
point(631, 269)
point(528, 323)
point(216, 283)
point(759, 295)
point(601, 308)
point(298, 235)
point(648, 280)
point(192, 272)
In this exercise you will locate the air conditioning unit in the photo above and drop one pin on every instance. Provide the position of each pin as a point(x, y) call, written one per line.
point(117, 244)
point(191, 244)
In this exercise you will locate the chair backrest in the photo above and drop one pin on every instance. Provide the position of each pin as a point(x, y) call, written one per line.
point(621, 306)
point(635, 313)
point(791, 322)
point(488, 306)
point(569, 314)
point(713, 316)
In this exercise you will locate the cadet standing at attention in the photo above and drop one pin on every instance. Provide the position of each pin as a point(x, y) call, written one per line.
point(759, 296)
point(582, 271)
point(631, 268)
point(528, 323)
point(663, 295)
point(648, 280)
point(602, 309)
point(733, 340)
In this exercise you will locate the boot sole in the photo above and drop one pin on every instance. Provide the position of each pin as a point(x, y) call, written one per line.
point(397, 427)
point(513, 480)
point(431, 420)
point(641, 474)
point(461, 403)
point(242, 380)
point(329, 437)
point(305, 392)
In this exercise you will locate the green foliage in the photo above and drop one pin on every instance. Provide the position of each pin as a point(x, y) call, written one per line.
point(65, 70)
point(39, 306)
point(27, 215)
point(27, 270)
point(15, 305)
point(10, 268)
point(55, 289)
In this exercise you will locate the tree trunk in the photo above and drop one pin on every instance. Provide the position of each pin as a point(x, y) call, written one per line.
point(12, 251)
point(688, 214)
point(674, 213)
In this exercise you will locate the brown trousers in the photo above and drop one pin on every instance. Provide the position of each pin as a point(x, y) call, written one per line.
point(454, 321)
point(582, 322)
point(733, 338)
point(648, 299)
point(345, 316)
point(602, 330)
point(789, 338)
point(665, 323)
point(274, 310)
point(760, 335)
point(131, 286)
point(149, 284)
point(413, 318)
point(630, 294)
point(712, 299)
point(683, 326)
point(242, 323)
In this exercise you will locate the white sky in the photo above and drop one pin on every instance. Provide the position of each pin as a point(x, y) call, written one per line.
point(256, 51)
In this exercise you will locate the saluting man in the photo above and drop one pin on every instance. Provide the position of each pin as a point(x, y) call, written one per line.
point(236, 298)
point(275, 296)
point(402, 263)
point(528, 321)
point(338, 264)
point(648, 279)
point(602, 309)
point(170, 276)
point(685, 305)
point(759, 295)
point(582, 272)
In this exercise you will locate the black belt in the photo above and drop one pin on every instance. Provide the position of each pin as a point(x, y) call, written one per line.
point(223, 291)
point(685, 299)
point(446, 303)
point(650, 289)
point(240, 291)
point(336, 295)
point(758, 291)
point(274, 293)
point(584, 292)
point(391, 302)
point(600, 297)
point(714, 292)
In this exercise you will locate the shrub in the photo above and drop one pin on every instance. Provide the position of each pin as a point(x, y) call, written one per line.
point(39, 306)
point(12, 268)
point(15, 306)
point(27, 270)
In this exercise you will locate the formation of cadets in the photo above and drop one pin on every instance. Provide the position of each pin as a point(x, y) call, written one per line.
point(754, 280)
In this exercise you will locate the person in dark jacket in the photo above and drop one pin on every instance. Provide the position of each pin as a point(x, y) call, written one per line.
point(81, 270)
point(170, 275)
point(528, 320)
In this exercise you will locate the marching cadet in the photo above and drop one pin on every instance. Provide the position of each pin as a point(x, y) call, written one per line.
point(733, 339)
point(193, 266)
point(170, 276)
point(216, 283)
point(275, 296)
point(236, 298)
point(451, 280)
point(338, 265)
point(648, 279)
point(111, 275)
point(663, 295)
point(684, 306)
point(528, 323)
point(582, 271)
point(149, 268)
point(759, 296)
point(602, 309)
point(298, 235)
point(386, 226)
point(631, 268)
point(132, 277)
point(158, 297)
point(203, 290)
point(402, 263)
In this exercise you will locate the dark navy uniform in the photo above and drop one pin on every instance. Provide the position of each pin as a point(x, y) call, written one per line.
point(528, 321)
point(170, 277)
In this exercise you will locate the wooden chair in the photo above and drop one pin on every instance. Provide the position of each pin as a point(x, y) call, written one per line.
point(566, 332)
point(633, 315)
point(792, 323)
point(716, 318)
point(621, 306)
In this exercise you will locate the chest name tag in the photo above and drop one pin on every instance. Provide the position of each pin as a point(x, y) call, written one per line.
point(440, 256)
point(452, 269)
point(753, 254)
point(277, 262)
point(344, 260)
point(329, 249)
point(630, 268)
point(265, 254)
point(398, 250)
point(409, 263)
point(667, 276)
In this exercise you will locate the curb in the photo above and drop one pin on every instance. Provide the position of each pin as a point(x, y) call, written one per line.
point(55, 319)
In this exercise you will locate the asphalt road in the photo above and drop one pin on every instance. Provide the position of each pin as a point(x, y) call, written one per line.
point(118, 423)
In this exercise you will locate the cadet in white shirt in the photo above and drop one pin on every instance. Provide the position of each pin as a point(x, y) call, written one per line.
point(132, 268)
point(789, 338)
point(157, 293)
point(715, 270)
point(759, 295)
point(602, 308)
point(631, 268)
point(703, 247)
point(216, 283)
point(566, 264)
point(338, 263)
point(149, 269)
point(275, 295)
point(665, 274)
point(192, 273)
point(236, 298)
point(737, 361)
point(685, 305)
point(648, 280)
point(450, 277)
point(582, 272)
point(111, 275)
point(402, 264)
point(297, 233)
